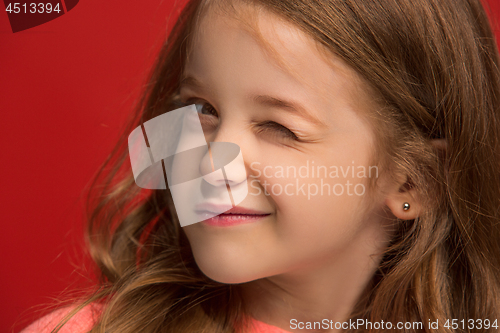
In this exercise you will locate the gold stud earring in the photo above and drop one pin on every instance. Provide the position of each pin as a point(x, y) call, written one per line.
point(406, 206)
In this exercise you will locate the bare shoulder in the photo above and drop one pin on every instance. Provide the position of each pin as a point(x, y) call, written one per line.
point(81, 322)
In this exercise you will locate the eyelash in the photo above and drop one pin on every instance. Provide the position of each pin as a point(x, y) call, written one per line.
point(269, 125)
point(277, 128)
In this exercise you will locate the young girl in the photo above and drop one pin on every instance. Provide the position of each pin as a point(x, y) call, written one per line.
point(370, 137)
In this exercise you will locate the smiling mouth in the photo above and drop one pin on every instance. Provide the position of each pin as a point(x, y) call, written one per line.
point(228, 217)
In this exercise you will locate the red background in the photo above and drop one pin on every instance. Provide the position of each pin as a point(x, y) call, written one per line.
point(65, 89)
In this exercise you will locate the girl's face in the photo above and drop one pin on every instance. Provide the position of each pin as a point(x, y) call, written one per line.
point(307, 146)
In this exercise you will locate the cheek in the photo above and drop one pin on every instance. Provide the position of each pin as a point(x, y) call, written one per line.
point(317, 208)
point(318, 182)
point(318, 195)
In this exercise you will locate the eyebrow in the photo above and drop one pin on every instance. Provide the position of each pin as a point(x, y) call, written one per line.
point(190, 81)
point(265, 100)
point(286, 105)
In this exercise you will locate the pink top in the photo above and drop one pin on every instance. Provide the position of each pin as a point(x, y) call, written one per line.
point(83, 321)
point(79, 323)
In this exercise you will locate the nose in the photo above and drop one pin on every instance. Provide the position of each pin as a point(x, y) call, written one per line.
point(223, 163)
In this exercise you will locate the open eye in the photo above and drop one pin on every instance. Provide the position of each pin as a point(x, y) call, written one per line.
point(209, 117)
point(206, 109)
point(201, 107)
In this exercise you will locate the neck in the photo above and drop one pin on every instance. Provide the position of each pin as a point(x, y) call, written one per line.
point(325, 291)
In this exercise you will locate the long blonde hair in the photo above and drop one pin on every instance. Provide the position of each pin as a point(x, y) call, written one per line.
point(435, 66)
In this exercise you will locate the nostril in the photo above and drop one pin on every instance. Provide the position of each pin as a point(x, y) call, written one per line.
point(215, 178)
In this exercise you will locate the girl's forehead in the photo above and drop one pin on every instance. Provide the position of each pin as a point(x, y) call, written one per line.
point(283, 42)
point(271, 31)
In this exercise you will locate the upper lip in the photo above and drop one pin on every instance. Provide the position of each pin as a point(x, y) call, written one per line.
point(225, 209)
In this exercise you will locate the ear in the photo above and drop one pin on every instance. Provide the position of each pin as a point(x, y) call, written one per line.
point(403, 190)
point(402, 193)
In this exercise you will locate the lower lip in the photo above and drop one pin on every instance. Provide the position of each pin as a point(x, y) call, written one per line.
point(227, 220)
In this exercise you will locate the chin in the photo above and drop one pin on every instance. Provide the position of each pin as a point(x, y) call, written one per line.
point(227, 273)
